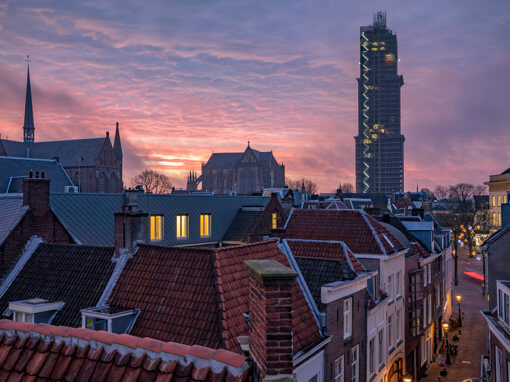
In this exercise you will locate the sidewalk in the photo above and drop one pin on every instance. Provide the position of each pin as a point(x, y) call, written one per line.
point(473, 340)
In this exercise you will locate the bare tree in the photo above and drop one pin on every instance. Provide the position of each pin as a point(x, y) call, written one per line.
point(153, 182)
point(461, 216)
point(346, 187)
point(441, 192)
point(310, 186)
point(293, 184)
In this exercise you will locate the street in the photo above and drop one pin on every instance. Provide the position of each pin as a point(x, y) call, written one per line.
point(472, 343)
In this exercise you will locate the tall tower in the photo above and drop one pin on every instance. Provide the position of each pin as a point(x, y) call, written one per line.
point(28, 125)
point(379, 144)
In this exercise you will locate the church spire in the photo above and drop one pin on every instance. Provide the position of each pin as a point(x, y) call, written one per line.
point(117, 147)
point(28, 125)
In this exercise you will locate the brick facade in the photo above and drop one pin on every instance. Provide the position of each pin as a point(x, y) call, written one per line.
point(39, 220)
point(264, 226)
point(338, 346)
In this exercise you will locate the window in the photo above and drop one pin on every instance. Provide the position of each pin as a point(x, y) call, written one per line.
point(398, 282)
point(381, 352)
point(506, 309)
point(397, 324)
point(390, 286)
point(500, 303)
point(274, 220)
point(499, 200)
point(499, 365)
point(429, 272)
point(182, 227)
point(205, 225)
point(315, 378)
point(493, 218)
point(390, 331)
point(493, 201)
point(430, 308)
point(504, 199)
point(425, 276)
point(339, 369)
point(347, 317)
point(355, 364)
point(371, 355)
point(156, 222)
point(499, 219)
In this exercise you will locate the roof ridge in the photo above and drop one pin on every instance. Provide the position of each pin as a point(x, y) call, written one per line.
point(255, 244)
point(125, 343)
point(377, 238)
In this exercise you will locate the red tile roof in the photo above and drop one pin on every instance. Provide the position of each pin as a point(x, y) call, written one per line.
point(419, 250)
point(198, 296)
point(321, 249)
point(362, 233)
point(46, 352)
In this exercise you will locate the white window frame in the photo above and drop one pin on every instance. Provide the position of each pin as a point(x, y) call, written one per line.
point(390, 286)
point(205, 225)
point(398, 322)
point(430, 308)
point(390, 331)
point(499, 365)
point(429, 273)
point(347, 317)
point(339, 369)
point(380, 341)
point(180, 225)
point(23, 316)
point(355, 363)
point(398, 284)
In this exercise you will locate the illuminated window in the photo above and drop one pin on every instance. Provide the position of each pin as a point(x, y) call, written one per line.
point(156, 222)
point(182, 226)
point(504, 199)
point(205, 225)
point(493, 201)
point(274, 220)
point(499, 200)
point(493, 218)
point(499, 219)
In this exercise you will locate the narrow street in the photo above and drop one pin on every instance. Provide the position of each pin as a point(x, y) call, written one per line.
point(472, 343)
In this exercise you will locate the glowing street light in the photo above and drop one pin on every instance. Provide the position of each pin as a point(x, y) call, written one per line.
point(448, 360)
point(408, 379)
point(459, 297)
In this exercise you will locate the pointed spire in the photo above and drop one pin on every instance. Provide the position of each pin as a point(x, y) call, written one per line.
point(28, 125)
point(117, 147)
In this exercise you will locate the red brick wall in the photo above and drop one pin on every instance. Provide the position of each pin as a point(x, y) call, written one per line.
point(338, 346)
point(505, 355)
point(265, 223)
point(271, 327)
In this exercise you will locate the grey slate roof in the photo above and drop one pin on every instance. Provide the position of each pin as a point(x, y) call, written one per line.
point(90, 217)
point(68, 152)
point(319, 272)
point(229, 159)
point(243, 224)
point(12, 211)
point(74, 274)
point(13, 170)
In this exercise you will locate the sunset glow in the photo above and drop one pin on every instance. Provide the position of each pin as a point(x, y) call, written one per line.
point(185, 79)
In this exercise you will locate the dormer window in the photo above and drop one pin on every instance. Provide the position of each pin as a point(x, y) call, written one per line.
point(274, 220)
point(109, 319)
point(205, 225)
point(35, 310)
point(156, 227)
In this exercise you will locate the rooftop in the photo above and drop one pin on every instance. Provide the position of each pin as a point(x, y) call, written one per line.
point(40, 351)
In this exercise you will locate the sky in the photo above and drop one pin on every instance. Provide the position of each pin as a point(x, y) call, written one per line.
point(188, 78)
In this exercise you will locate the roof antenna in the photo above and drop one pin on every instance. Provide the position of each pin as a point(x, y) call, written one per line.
point(28, 61)
point(248, 143)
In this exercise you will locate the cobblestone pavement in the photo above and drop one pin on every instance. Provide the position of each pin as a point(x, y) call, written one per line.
point(473, 340)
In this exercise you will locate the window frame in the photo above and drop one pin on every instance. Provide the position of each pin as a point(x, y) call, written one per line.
point(339, 369)
point(371, 355)
point(347, 318)
point(153, 223)
point(355, 364)
point(390, 331)
point(179, 226)
point(203, 217)
point(390, 286)
point(398, 284)
point(380, 340)
point(274, 220)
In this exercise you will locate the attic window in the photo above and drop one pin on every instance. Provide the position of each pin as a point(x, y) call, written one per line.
point(182, 227)
point(35, 310)
point(109, 319)
point(156, 227)
point(274, 220)
point(205, 225)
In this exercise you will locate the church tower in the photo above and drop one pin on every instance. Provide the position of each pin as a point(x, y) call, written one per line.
point(28, 125)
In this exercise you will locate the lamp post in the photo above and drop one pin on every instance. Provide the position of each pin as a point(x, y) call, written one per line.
point(408, 379)
point(458, 297)
point(448, 360)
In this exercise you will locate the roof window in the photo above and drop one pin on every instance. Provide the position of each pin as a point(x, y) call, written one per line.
point(34, 310)
point(110, 319)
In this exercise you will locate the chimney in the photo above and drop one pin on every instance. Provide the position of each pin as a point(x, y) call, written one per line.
point(130, 227)
point(418, 212)
point(386, 218)
point(36, 193)
point(270, 318)
point(339, 194)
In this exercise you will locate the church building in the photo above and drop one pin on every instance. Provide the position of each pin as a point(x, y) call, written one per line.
point(243, 173)
point(94, 164)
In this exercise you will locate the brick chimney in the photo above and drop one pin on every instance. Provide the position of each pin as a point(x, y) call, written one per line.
point(36, 193)
point(130, 227)
point(270, 317)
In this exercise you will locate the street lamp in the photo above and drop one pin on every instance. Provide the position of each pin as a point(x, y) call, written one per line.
point(458, 297)
point(408, 379)
point(448, 360)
